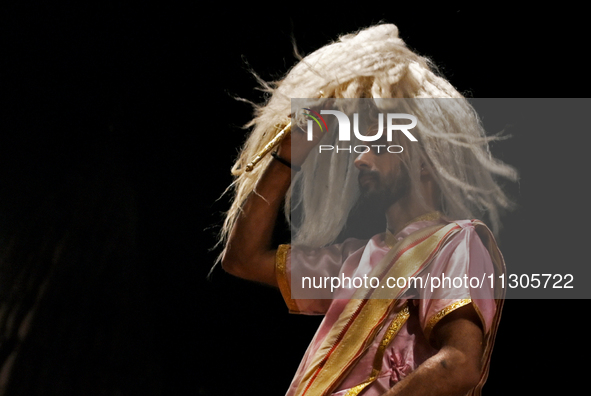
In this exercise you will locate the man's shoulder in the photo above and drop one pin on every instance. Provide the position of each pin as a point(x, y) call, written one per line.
point(477, 226)
point(464, 234)
point(466, 223)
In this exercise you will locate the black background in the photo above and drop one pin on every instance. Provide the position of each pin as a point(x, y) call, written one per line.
point(152, 86)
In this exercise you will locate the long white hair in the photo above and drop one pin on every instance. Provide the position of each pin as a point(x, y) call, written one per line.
point(375, 63)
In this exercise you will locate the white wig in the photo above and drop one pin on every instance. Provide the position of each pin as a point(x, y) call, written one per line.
point(375, 63)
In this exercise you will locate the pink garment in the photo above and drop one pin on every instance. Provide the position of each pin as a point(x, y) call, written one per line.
point(463, 255)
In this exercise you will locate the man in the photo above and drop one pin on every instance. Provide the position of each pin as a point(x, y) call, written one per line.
point(377, 341)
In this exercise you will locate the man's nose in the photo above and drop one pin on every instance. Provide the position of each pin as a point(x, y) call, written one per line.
point(363, 161)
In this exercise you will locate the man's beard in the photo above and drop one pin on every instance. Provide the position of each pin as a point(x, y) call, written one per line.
point(368, 218)
point(384, 194)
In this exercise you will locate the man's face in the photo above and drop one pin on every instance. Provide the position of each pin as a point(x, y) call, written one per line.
point(383, 179)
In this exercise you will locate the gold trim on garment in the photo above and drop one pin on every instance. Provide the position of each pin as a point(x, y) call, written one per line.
point(282, 281)
point(393, 329)
point(441, 314)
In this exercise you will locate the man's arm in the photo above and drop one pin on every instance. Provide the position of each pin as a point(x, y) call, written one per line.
point(248, 253)
point(456, 368)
